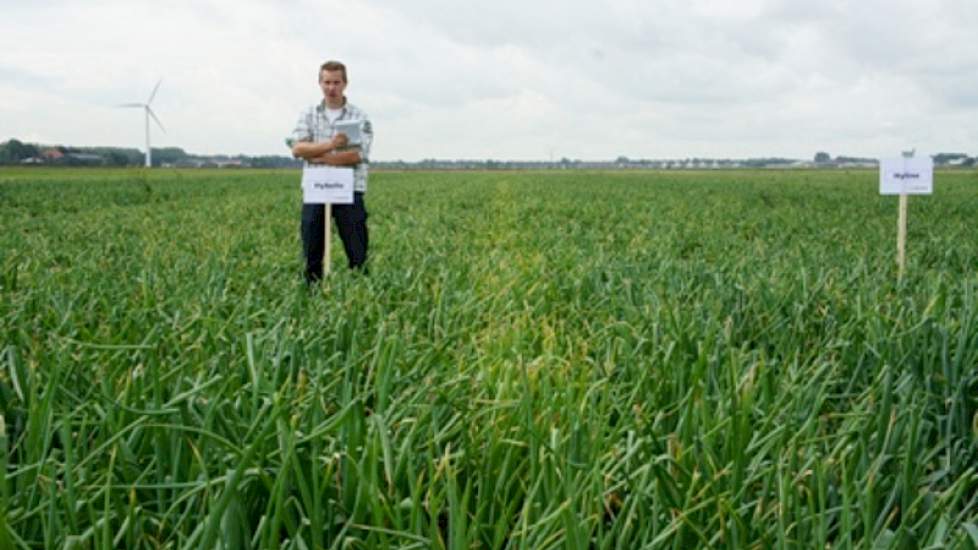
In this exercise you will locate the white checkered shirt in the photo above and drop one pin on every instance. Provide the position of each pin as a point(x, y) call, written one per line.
point(313, 126)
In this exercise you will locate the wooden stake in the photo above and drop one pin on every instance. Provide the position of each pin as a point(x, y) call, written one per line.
point(327, 232)
point(902, 236)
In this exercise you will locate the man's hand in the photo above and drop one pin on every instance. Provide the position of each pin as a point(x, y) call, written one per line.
point(339, 140)
point(312, 151)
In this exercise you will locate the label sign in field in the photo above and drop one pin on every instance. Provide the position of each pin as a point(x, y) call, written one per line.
point(910, 176)
point(327, 185)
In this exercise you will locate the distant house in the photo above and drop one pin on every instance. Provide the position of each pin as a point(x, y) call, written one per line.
point(50, 155)
point(32, 160)
point(857, 164)
point(84, 158)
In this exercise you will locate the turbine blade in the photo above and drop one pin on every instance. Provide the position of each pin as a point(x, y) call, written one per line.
point(152, 95)
point(152, 114)
point(131, 105)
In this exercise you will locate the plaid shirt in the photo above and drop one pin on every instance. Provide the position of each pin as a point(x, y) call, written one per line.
point(313, 126)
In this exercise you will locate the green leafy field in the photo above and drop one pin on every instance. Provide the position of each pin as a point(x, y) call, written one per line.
point(537, 360)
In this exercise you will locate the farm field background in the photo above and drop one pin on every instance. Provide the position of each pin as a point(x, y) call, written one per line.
point(536, 360)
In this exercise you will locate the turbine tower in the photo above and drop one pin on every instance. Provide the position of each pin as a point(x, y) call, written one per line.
point(149, 113)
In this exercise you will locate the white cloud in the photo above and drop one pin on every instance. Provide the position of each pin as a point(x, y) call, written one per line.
point(503, 79)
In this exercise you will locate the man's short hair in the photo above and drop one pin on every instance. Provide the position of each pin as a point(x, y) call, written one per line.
point(333, 66)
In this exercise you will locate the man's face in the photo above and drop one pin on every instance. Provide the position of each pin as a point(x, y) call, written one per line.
point(333, 86)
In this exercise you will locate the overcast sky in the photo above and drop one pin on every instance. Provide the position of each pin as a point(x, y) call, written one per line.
point(506, 79)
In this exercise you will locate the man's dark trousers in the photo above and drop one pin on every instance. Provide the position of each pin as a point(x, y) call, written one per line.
point(351, 221)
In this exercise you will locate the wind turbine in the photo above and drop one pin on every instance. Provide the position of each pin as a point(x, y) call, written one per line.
point(149, 113)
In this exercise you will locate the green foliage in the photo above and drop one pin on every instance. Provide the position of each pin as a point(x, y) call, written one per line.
point(169, 155)
point(944, 158)
point(537, 360)
point(14, 151)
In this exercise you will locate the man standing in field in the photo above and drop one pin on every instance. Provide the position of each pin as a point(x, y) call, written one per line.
point(316, 141)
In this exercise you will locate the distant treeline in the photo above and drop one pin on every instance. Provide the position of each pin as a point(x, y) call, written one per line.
point(17, 152)
point(20, 153)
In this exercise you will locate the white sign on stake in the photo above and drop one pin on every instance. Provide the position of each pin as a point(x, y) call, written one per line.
point(907, 176)
point(327, 185)
point(904, 176)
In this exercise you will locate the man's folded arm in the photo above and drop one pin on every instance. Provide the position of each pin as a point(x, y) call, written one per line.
point(341, 158)
point(308, 150)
